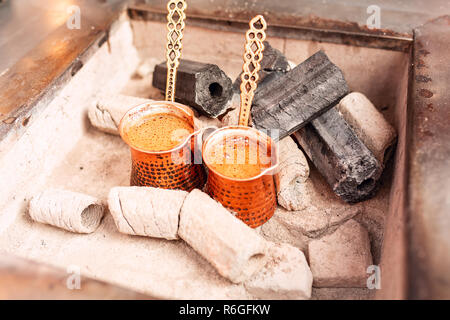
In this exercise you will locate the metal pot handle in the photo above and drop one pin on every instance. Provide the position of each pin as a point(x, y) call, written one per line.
point(199, 139)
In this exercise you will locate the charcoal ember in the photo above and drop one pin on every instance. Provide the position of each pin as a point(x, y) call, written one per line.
point(290, 100)
point(273, 63)
point(348, 166)
point(202, 86)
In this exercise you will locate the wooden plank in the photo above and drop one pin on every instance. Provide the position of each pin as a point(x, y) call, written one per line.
point(24, 279)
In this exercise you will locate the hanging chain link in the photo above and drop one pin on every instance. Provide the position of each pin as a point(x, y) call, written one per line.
point(175, 27)
point(253, 55)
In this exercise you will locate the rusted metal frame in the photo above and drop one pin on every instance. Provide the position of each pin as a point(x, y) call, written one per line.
point(393, 263)
point(293, 32)
point(398, 19)
point(428, 166)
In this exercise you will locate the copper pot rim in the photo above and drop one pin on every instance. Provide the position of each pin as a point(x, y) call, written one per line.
point(268, 171)
point(181, 107)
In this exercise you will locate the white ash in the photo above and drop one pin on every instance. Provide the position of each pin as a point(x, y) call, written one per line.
point(286, 275)
point(146, 68)
point(233, 248)
point(341, 259)
point(146, 211)
point(293, 171)
point(72, 211)
point(231, 118)
point(105, 113)
point(369, 124)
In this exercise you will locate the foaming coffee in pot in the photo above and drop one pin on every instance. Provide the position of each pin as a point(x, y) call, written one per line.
point(239, 157)
point(161, 135)
point(159, 132)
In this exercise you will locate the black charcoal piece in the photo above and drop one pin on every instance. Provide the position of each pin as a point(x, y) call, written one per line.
point(288, 101)
point(273, 62)
point(202, 86)
point(346, 163)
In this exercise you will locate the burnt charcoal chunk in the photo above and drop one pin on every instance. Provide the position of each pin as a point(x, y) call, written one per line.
point(202, 86)
point(348, 166)
point(273, 62)
point(290, 100)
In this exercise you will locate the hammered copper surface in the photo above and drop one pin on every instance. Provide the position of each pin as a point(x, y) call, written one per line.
point(171, 169)
point(253, 200)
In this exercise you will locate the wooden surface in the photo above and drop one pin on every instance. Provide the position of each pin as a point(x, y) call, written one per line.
point(52, 55)
point(24, 279)
point(26, 23)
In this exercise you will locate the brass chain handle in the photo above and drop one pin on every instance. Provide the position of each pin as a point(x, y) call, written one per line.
point(253, 55)
point(175, 27)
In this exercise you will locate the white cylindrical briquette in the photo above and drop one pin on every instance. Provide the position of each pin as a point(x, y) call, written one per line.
point(72, 211)
point(293, 171)
point(233, 248)
point(369, 124)
point(105, 114)
point(146, 211)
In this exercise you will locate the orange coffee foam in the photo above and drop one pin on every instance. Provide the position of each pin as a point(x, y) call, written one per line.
point(238, 157)
point(159, 132)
